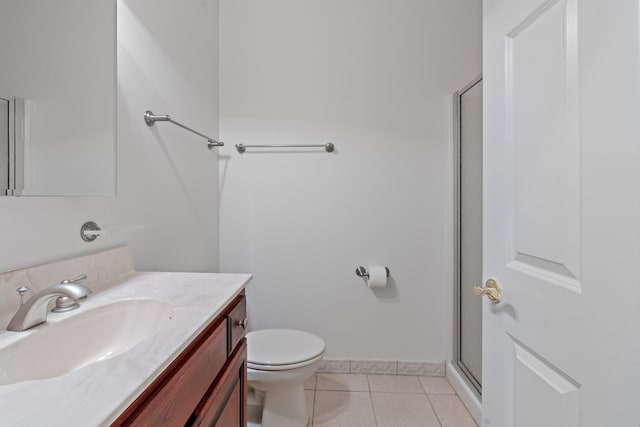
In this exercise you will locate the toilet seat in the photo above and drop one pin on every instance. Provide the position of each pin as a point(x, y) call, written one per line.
point(282, 349)
point(259, 367)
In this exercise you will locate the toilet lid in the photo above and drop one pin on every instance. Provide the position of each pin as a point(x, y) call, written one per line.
point(282, 347)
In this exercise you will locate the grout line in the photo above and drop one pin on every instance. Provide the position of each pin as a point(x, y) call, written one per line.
point(375, 419)
point(313, 406)
point(433, 409)
point(405, 392)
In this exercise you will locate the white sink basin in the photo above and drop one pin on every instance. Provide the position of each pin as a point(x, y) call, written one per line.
point(54, 349)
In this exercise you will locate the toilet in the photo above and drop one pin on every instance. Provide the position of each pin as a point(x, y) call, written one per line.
point(278, 363)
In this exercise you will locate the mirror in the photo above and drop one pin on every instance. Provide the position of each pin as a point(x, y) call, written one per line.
point(58, 97)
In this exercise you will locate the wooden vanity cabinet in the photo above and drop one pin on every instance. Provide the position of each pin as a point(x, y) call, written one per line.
point(206, 385)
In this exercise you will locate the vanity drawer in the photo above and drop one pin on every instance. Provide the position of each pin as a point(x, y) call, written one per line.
point(237, 323)
point(176, 397)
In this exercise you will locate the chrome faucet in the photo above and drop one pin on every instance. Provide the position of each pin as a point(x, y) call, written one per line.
point(34, 311)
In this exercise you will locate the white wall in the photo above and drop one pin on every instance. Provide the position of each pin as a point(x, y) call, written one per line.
point(167, 179)
point(374, 77)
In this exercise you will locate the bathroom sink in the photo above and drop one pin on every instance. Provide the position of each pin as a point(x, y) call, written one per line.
point(78, 340)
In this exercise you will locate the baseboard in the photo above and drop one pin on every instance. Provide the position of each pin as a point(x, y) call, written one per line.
point(389, 367)
point(466, 394)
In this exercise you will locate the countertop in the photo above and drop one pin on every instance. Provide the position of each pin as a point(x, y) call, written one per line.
point(96, 394)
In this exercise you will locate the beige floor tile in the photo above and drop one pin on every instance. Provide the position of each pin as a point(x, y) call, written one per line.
point(395, 384)
point(311, 397)
point(403, 409)
point(310, 383)
point(436, 385)
point(451, 411)
point(343, 409)
point(342, 382)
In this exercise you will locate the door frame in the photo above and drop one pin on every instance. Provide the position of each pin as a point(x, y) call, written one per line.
point(467, 377)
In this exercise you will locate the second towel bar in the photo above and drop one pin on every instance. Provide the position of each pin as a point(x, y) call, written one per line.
point(328, 147)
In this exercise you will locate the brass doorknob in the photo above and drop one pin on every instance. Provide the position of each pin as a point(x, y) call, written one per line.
point(492, 289)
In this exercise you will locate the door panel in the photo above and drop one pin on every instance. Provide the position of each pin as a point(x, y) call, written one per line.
point(535, 384)
point(541, 78)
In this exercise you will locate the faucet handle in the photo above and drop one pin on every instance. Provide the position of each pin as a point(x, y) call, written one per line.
point(76, 279)
point(22, 290)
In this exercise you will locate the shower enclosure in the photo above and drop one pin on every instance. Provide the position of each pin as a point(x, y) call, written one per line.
point(468, 239)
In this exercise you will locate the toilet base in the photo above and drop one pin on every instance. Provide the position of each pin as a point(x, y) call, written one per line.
point(278, 363)
point(286, 407)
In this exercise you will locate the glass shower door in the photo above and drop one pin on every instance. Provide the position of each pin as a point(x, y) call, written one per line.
point(468, 353)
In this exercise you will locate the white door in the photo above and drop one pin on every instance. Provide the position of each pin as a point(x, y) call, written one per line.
point(562, 213)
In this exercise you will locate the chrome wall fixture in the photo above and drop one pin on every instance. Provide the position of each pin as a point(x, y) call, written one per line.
point(362, 271)
point(329, 147)
point(150, 119)
point(90, 231)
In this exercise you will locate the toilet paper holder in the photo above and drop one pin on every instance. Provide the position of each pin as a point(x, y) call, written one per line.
point(362, 272)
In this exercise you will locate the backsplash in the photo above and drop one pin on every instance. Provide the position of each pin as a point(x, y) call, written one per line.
point(103, 269)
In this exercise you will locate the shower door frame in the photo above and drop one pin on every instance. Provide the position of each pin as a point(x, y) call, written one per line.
point(475, 386)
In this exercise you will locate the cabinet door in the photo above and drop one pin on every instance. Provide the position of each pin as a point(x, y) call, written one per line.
point(231, 413)
point(225, 404)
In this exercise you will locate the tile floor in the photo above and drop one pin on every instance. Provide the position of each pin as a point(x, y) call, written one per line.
point(359, 400)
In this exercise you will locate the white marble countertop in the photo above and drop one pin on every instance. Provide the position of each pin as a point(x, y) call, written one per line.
point(97, 394)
